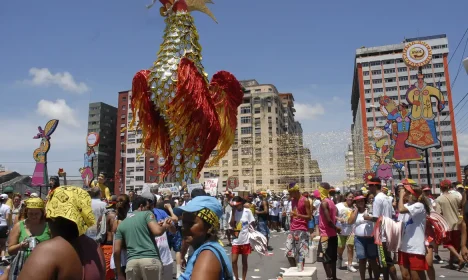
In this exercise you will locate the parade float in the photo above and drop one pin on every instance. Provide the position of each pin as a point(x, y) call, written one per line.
point(184, 116)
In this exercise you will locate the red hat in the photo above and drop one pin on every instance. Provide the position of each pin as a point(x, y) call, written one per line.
point(359, 197)
point(426, 188)
point(332, 190)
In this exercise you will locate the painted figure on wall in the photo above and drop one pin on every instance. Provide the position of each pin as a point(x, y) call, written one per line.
point(40, 176)
point(422, 132)
point(397, 126)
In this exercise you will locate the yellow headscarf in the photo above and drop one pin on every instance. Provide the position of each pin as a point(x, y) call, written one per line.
point(71, 203)
point(35, 203)
point(323, 193)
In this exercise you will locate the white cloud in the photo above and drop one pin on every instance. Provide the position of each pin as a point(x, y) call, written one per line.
point(463, 148)
point(65, 80)
point(57, 110)
point(308, 111)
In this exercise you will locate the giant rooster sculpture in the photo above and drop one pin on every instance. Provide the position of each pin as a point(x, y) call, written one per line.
point(182, 115)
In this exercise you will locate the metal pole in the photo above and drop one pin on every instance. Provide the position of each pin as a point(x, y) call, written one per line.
point(427, 169)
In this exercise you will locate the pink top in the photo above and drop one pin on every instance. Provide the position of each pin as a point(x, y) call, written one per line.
point(299, 223)
point(324, 227)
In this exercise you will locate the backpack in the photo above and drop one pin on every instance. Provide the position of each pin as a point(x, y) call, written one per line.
point(102, 229)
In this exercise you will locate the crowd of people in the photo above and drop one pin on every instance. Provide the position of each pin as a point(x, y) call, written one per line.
point(78, 233)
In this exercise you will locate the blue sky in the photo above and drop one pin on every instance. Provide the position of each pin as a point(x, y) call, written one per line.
point(303, 47)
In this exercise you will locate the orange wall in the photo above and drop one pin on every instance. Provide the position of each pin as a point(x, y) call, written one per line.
point(452, 119)
point(365, 133)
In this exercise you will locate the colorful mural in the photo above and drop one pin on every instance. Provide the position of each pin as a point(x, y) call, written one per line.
point(40, 176)
point(410, 126)
point(422, 132)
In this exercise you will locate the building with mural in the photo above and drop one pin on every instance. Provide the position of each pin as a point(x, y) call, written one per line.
point(401, 102)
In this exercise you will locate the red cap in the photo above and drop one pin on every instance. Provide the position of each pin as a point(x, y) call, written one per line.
point(359, 197)
point(426, 188)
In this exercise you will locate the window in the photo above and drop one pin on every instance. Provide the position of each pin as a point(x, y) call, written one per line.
point(140, 169)
point(130, 169)
point(246, 172)
point(365, 73)
point(257, 110)
point(122, 117)
point(402, 69)
point(272, 171)
point(367, 91)
point(376, 72)
point(225, 173)
point(377, 81)
point(403, 78)
point(246, 140)
point(139, 178)
point(378, 90)
point(225, 163)
point(245, 119)
point(391, 70)
point(258, 182)
point(258, 172)
point(272, 182)
point(246, 130)
point(257, 100)
point(246, 151)
point(390, 80)
point(245, 110)
point(130, 151)
point(404, 87)
point(124, 107)
point(367, 82)
point(375, 63)
point(129, 160)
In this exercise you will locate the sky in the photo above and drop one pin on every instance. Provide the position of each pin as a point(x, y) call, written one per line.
point(57, 56)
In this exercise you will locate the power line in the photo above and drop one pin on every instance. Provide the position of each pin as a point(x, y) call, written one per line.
point(461, 40)
point(461, 64)
point(451, 111)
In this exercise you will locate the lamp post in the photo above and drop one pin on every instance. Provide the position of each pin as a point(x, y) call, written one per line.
point(465, 64)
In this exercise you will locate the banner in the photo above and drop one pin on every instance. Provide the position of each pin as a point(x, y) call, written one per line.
point(211, 186)
point(171, 187)
point(192, 187)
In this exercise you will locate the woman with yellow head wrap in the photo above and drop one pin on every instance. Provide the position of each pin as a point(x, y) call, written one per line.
point(70, 254)
point(29, 232)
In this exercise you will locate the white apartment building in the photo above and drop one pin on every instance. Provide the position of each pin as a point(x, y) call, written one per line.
point(381, 71)
point(268, 151)
point(349, 165)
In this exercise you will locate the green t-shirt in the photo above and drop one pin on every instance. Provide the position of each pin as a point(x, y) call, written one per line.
point(138, 239)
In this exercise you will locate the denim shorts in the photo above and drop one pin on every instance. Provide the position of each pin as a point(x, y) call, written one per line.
point(365, 248)
point(316, 219)
point(263, 228)
point(311, 224)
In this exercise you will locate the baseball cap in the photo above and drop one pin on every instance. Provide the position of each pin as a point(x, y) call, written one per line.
point(199, 203)
point(166, 193)
point(426, 188)
point(8, 189)
point(147, 195)
point(33, 195)
point(337, 189)
point(4, 196)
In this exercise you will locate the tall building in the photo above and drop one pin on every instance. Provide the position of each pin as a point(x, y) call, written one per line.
point(102, 119)
point(268, 149)
point(134, 167)
point(349, 164)
point(382, 71)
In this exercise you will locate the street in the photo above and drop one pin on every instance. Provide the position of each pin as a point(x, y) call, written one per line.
point(269, 267)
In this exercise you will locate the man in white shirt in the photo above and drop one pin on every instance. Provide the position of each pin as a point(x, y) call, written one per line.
point(274, 214)
point(382, 206)
point(5, 219)
point(286, 219)
point(99, 208)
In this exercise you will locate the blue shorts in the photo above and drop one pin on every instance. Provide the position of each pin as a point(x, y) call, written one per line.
point(316, 219)
point(175, 240)
point(311, 224)
point(365, 248)
point(263, 228)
